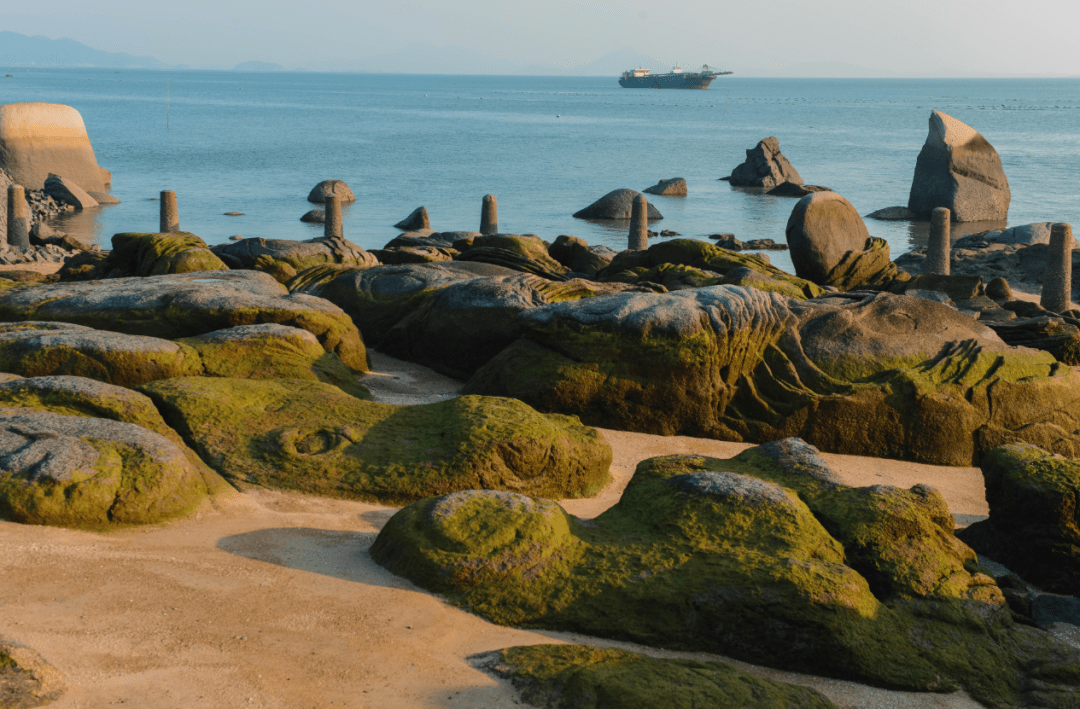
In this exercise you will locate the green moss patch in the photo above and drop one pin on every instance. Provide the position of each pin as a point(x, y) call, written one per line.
point(314, 438)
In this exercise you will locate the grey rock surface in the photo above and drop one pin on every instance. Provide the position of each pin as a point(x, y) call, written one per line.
point(822, 228)
point(765, 167)
point(617, 204)
point(417, 219)
point(245, 253)
point(327, 188)
point(672, 187)
point(893, 214)
point(66, 191)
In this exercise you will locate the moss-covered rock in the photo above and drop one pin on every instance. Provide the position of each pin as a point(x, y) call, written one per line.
point(586, 677)
point(414, 254)
point(159, 254)
point(868, 268)
point(313, 438)
point(723, 556)
point(299, 255)
point(578, 256)
point(530, 248)
point(887, 376)
point(91, 473)
point(26, 679)
point(311, 280)
point(183, 305)
point(1034, 523)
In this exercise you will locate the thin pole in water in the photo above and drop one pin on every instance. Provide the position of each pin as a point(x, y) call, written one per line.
point(166, 105)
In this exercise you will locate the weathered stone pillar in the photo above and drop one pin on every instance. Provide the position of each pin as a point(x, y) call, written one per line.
point(332, 223)
point(639, 224)
point(170, 216)
point(18, 219)
point(489, 216)
point(1057, 279)
point(940, 247)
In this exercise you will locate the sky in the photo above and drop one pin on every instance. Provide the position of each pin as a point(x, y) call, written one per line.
point(916, 38)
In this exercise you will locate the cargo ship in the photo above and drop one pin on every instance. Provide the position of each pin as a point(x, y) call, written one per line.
point(675, 79)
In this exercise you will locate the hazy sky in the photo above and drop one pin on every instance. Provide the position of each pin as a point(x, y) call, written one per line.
point(906, 37)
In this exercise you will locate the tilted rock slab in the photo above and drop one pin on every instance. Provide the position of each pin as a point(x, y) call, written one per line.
point(184, 305)
point(312, 437)
point(957, 168)
point(41, 138)
point(763, 557)
point(887, 376)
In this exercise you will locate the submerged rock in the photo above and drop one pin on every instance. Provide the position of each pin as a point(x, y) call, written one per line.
point(674, 187)
point(765, 166)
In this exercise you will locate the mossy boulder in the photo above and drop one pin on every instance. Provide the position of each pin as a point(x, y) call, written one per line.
point(311, 280)
point(704, 257)
point(414, 254)
point(261, 254)
point(159, 254)
point(885, 375)
point(578, 256)
point(184, 305)
point(724, 556)
point(587, 677)
point(91, 473)
point(1034, 523)
point(530, 248)
point(26, 679)
point(311, 437)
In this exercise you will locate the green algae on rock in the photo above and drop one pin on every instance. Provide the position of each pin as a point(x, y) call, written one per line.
point(884, 375)
point(1034, 523)
point(312, 437)
point(587, 677)
point(159, 254)
point(183, 305)
point(91, 473)
point(713, 555)
point(262, 254)
point(26, 679)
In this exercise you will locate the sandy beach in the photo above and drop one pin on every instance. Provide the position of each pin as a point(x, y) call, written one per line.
point(270, 599)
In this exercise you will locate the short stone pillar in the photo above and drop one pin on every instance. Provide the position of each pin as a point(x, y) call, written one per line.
point(489, 215)
point(332, 221)
point(940, 248)
point(639, 224)
point(170, 216)
point(1057, 279)
point(18, 219)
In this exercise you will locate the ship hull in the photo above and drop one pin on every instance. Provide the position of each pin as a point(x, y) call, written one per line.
point(676, 81)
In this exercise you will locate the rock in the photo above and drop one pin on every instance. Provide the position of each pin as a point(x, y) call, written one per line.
point(774, 564)
point(315, 216)
point(764, 244)
point(589, 677)
point(884, 375)
point(91, 473)
point(894, 214)
point(65, 191)
point(315, 439)
point(417, 219)
point(669, 232)
point(1034, 524)
point(998, 289)
point(957, 168)
point(427, 238)
point(830, 245)
point(526, 253)
point(791, 189)
point(576, 255)
point(957, 287)
point(674, 187)
point(765, 166)
point(27, 680)
point(158, 255)
point(185, 305)
point(414, 254)
point(1027, 234)
point(615, 205)
point(331, 188)
point(84, 266)
point(103, 197)
point(236, 237)
point(300, 255)
point(37, 139)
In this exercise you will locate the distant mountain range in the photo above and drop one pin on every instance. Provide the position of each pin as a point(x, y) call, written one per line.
point(20, 50)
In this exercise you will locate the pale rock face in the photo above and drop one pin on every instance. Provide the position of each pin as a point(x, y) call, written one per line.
point(958, 169)
point(822, 228)
point(41, 138)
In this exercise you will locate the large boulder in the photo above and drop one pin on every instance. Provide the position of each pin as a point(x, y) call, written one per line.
point(184, 305)
point(158, 255)
point(576, 255)
point(616, 204)
point(957, 168)
point(763, 557)
point(263, 254)
point(311, 437)
point(673, 187)
point(765, 167)
point(827, 236)
point(331, 188)
point(888, 376)
point(1034, 523)
point(526, 253)
point(41, 138)
point(65, 191)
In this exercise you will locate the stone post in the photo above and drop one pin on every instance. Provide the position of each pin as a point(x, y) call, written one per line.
point(18, 219)
point(489, 215)
point(170, 216)
point(332, 223)
point(940, 247)
point(1057, 279)
point(639, 224)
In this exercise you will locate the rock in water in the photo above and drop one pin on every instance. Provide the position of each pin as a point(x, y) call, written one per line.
point(616, 204)
point(39, 138)
point(331, 188)
point(958, 169)
point(65, 191)
point(675, 187)
point(417, 219)
point(822, 229)
point(765, 166)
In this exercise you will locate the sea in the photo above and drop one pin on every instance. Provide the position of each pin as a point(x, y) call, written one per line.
point(546, 147)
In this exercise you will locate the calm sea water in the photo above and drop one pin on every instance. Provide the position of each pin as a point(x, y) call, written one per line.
point(545, 146)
